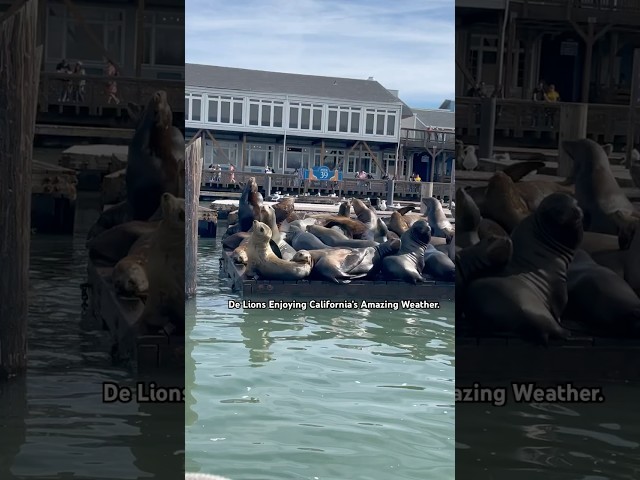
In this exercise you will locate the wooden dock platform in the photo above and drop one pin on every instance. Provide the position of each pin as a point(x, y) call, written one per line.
point(357, 290)
point(207, 222)
point(93, 162)
point(53, 200)
point(119, 315)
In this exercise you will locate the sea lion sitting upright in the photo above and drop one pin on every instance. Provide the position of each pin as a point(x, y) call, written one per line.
point(467, 219)
point(264, 264)
point(345, 209)
point(249, 205)
point(530, 294)
point(153, 160)
point(165, 268)
point(408, 263)
point(376, 229)
point(268, 217)
point(601, 299)
point(440, 226)
point(596, 189)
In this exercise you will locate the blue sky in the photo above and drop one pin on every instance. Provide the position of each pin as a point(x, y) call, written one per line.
point(406, 45)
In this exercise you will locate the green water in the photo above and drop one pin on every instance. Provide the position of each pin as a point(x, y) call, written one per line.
point(323, 395)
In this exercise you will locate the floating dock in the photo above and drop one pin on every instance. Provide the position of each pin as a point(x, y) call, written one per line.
point(207, 222)
point(92, 162)
point(357, 290)
point(119, 315)
point(53, 200)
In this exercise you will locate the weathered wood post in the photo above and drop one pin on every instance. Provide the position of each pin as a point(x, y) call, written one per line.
point(634, 103)
point(19, 77)
point(193, 174)
point(573, 126)
point(487, 126)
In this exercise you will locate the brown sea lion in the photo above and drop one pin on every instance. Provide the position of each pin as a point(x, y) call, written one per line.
point(530, 294)
point(397, 223)
point(345, 209)
point(467, 220)
point(353, 227)
point(109, 247)
point(112, 216)
point(408, 263)
point(249, 205)
point(165, 268)
point(440, 226)
point(264, 264)
point(503, 203)
point(600, 298)
point(153, 160)
point(233, 241)
point(285, 210)
point(488, 228)
point(596, 189)
point(377, 229)
point(129, 276)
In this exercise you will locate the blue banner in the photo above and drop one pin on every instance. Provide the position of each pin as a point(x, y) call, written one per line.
point(322, 173)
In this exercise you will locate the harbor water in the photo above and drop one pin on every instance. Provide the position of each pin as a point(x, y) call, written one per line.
point(316, 394)
point(53, 421)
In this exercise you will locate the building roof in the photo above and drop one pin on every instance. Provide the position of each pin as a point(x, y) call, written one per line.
point(448, 105)
point(435, 118)
point(259, 81)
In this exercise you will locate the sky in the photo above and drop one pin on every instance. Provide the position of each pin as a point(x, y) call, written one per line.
point(406, 45)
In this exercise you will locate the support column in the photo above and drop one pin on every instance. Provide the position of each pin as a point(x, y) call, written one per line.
point(487, 126)
point(588, 56)
point(19, 75)
point(634, 104)
point(139, 38)
point(194, 159)
point(243, 160)
point(573, 126)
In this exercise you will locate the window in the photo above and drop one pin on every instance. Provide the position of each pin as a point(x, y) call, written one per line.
point(193, 107)
point(67, 38)
point(344, 119)
point(222, 154)
point(222, 109)
point(380, 122)
point(297, 158)
point(390, 163)
point(265, 113)
point(332, 158)
point(260, 155)
point(164, 39)
point(305, 116)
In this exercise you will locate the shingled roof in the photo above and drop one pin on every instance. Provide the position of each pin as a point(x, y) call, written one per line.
point(259, 81)
point(435, 118)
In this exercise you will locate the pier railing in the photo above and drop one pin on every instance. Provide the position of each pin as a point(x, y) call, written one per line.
point(284, 183)
point(59, 91)
point(521, 118)
point(413, 138)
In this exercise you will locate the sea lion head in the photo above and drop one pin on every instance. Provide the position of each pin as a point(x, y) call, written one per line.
point(158, 103)
point(345, 208)
point(260, 232)
point(251, 183)
point(303, 257)
point(132, 281)
point(420, 232)
point(561, 218)
point(585, 154)
point(268, 215)
point(172, 210)
point(240, 256)
point(358, 206)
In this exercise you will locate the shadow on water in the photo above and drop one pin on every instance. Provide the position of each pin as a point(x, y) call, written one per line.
point(53, 421)
point(325, 394)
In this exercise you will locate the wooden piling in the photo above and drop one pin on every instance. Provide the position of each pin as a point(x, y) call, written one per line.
point(487, 126)
point(193, 173)
point(573, 126)
point(19, 76)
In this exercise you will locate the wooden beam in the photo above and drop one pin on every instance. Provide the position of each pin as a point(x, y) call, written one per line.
point(20, 59)
point(373, 157)
point(217, 145)
point(193, 164)
point(465, 72)
point(80, 19)
point(193, 139)
point(243, 160)
point(346, 155)
point(139, 38)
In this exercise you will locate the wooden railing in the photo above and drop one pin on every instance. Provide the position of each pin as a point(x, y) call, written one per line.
point(293, 183)
point(58, 90)
point(427, 139)
point(606, 123)
point(604, 5)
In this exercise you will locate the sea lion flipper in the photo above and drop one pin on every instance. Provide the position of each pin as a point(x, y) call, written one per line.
point(405, 210)
point(352, 260)
point(276, 249)
point(521, 169)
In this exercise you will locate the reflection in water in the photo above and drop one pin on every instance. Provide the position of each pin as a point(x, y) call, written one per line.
point(541, 441)
point(54, 424)
point(323, 394)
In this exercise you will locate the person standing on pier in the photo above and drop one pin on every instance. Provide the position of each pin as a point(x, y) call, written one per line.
point(112, 86)
point(552, 96)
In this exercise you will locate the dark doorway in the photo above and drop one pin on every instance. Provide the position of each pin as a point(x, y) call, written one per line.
point(422, 165)
point(561, 64)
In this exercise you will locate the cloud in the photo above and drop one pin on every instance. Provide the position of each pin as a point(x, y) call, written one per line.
point(405, 45)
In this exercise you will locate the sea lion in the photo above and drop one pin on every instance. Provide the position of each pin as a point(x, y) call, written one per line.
point(233, 241)
point(268, 217)
point(438, 265)
point(115, 215)
point(153, 160)
point(404, 210)
point(596, 189)
point(333, 238)
point(376, 229)
point(165, 268)
point(232, 217)
point(341, 265)
point(397, 223)
point(598, 297)
point(302, 240)
point(408, 263)
point(530, 294)
point(440, 226)
point(467, 219)
point(109, 247)
point(503, 203)
point(249, 205)
point(488, 228)
point(487, 257)
point(345, 209)
point(129, 276)
point(285, 210)
point(264, 264)
point(449, 249)
point(354, 228)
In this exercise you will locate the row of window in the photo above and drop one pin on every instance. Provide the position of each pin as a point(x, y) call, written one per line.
point(311, 117)
point(261, 156)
